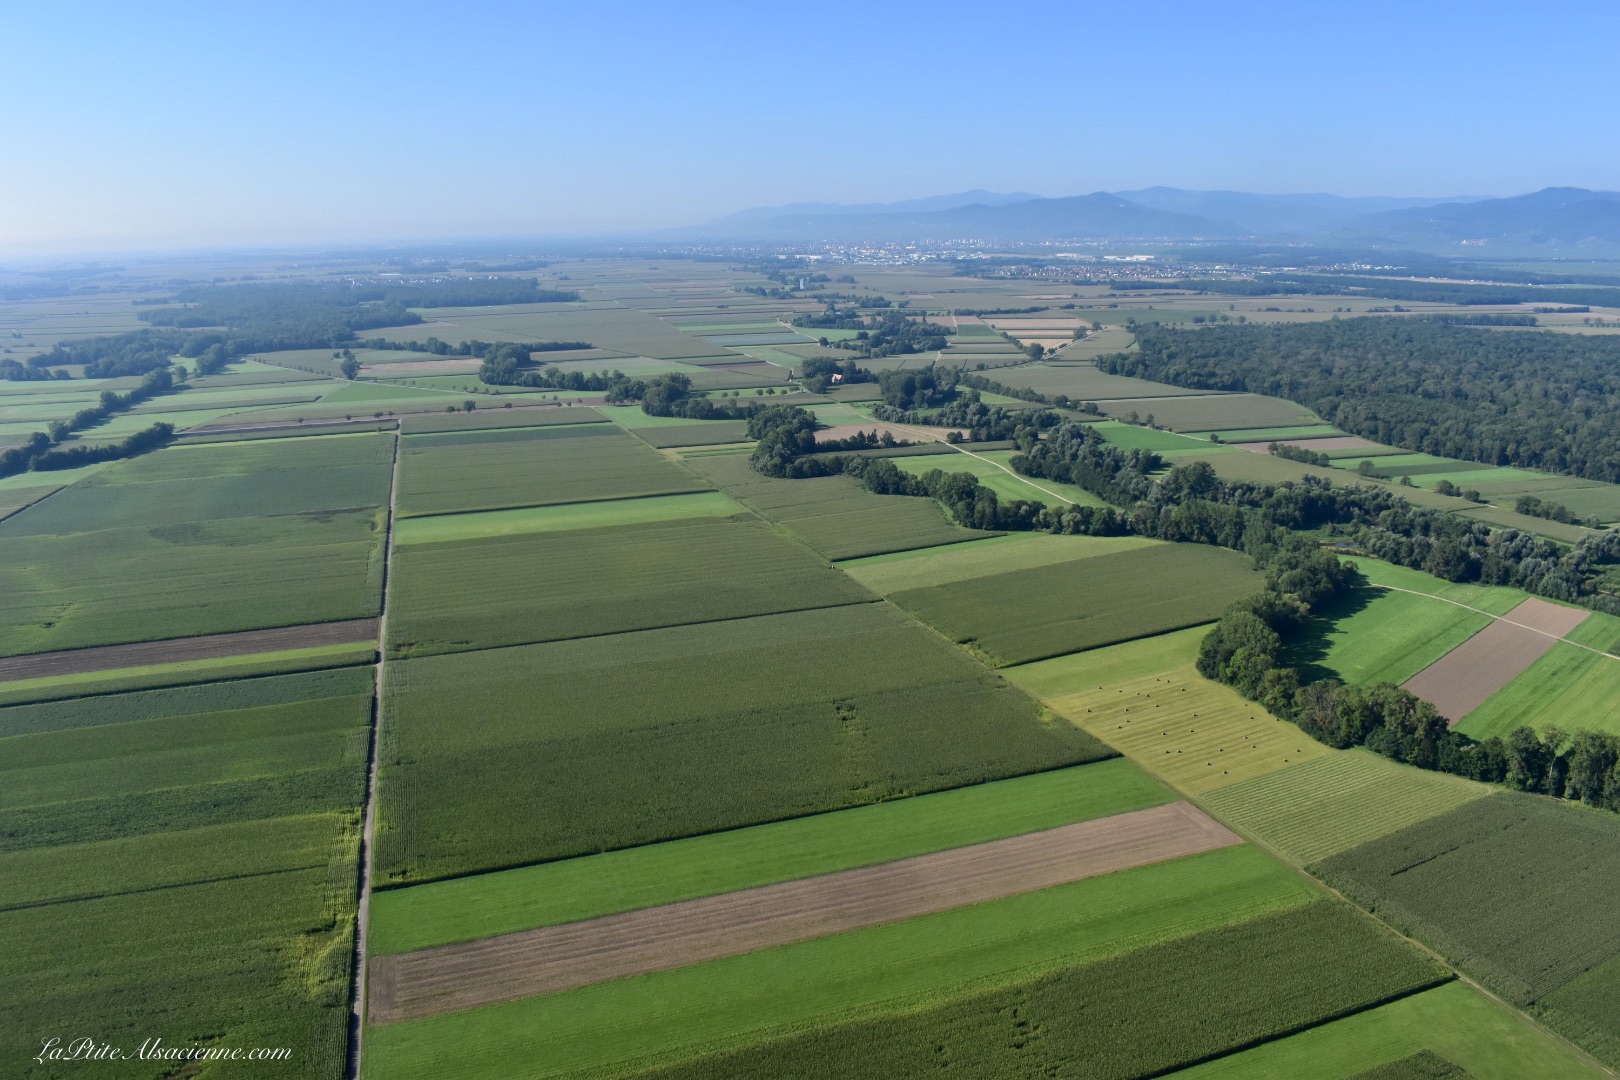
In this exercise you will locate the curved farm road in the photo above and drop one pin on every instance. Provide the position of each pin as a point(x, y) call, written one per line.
point(554, 958)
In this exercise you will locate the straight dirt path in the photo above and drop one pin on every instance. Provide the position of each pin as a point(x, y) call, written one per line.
point(555, 958)
point(357, 1026)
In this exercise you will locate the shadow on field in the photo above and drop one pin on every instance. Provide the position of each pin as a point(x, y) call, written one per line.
point(1309, 647)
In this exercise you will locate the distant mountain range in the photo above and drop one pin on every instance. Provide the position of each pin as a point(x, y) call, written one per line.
point(1555, 219)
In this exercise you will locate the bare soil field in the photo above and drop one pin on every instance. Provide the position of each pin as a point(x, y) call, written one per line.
point(173, 650)
point(1460, 681)
point(432, 981)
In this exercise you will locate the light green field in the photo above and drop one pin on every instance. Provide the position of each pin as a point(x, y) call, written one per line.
point(1600, 630)
point(1005, 484)
point(1132, 437)
point(464, 909)
point(1568, 687)
point(1510, 519)
point(1331, 804)
point(676, 1013)
point(101, 682)
point(1455, 1021)
point(1495, 599)
point(591, 515)
point(1395, 636)
point(980, 558)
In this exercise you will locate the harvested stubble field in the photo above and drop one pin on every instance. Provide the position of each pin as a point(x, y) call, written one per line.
point(199, 577)
point(1036, 613)
point(487, 470)
point(1139, 1014)
point(233, 480)
point(1384, 636)
point(571, 890)
point(184, 861)
point(1567, 688)
point(1454, 1020)
point(616, 1027)
point(1144, 698)
point(1520, 891)
point(1214, 412)
point(1332, 804)
point(835, 515)
point(609, 742)
point(565, 957)
point(548, 586)
point(1464, 678)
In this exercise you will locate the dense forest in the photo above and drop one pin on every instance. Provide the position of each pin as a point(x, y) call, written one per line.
point(1437, 292)
point(895, 335)
point(1534, 399)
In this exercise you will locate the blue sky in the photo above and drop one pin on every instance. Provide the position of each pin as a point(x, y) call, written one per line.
point(178, 125)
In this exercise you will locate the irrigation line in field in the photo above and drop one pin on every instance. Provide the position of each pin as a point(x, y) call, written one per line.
point(368, 830)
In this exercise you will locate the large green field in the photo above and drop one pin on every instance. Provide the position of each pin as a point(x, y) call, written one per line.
point(618, 1026)
point(922, 567)
point(487, 470)
point(1045, 611)
point(1520, 891)
point(1569, 688)
point(484, 905)
point(482, 593)
point(182, 863)
point(607, 742)
point(1378, 635)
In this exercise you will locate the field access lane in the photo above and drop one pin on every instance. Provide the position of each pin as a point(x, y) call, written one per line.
point(175, 650)
point(412, 985)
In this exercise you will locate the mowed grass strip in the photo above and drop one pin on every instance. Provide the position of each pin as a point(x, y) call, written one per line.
point(1140, 1014)
point(475, 525)
point(1377, 635)
point(226, 480)
point(1455, 1020)
point(922, 567)
point(196, 577)
point(548, 586)
point(614, 1027)
point(1569, 688)
point(503, 757)
point(835, 515)
point(1145, 699)
point(1040, 612)
point(1332, 804)
point(485, 905)
point(489, 470)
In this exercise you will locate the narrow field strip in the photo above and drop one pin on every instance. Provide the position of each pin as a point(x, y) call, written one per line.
point(173, 650)
point(414, 985)
point(1463, 679)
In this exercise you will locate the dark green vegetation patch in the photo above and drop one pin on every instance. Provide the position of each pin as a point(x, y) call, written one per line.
point(1423, 1065)
point(488, 470)
point(1521, 891)
point(510, 756)
point(1047, 611)
point(1147, 1012)
point(529, 587)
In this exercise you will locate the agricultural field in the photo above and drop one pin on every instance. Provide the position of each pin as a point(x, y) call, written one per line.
point(1212, 412)
point(455, 472)
point(480, 593)
point(991, 469)
point(206, 888)
point(1083, 382)
point(1379, 635)
point(1040, 612)
point(922, 567)
point(834, 515)
point(1518, 891)
point(1568, 688)
point(815, 710)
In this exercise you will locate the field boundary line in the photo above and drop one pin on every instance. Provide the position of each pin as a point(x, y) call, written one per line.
point(997, 464)
point(362, 915)
point(1495, 618)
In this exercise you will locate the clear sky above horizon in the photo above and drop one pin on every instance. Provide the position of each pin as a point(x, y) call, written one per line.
point(183, 124)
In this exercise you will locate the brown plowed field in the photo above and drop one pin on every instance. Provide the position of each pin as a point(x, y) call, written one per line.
point(555, 958)
point(1547, 617)
point(173, 650)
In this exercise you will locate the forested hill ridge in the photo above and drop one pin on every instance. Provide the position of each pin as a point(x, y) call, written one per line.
point(1534, 399)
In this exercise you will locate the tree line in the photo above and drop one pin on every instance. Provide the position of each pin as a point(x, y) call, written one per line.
point(1538, 400)
point(1436, 292)
point(39, 447)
